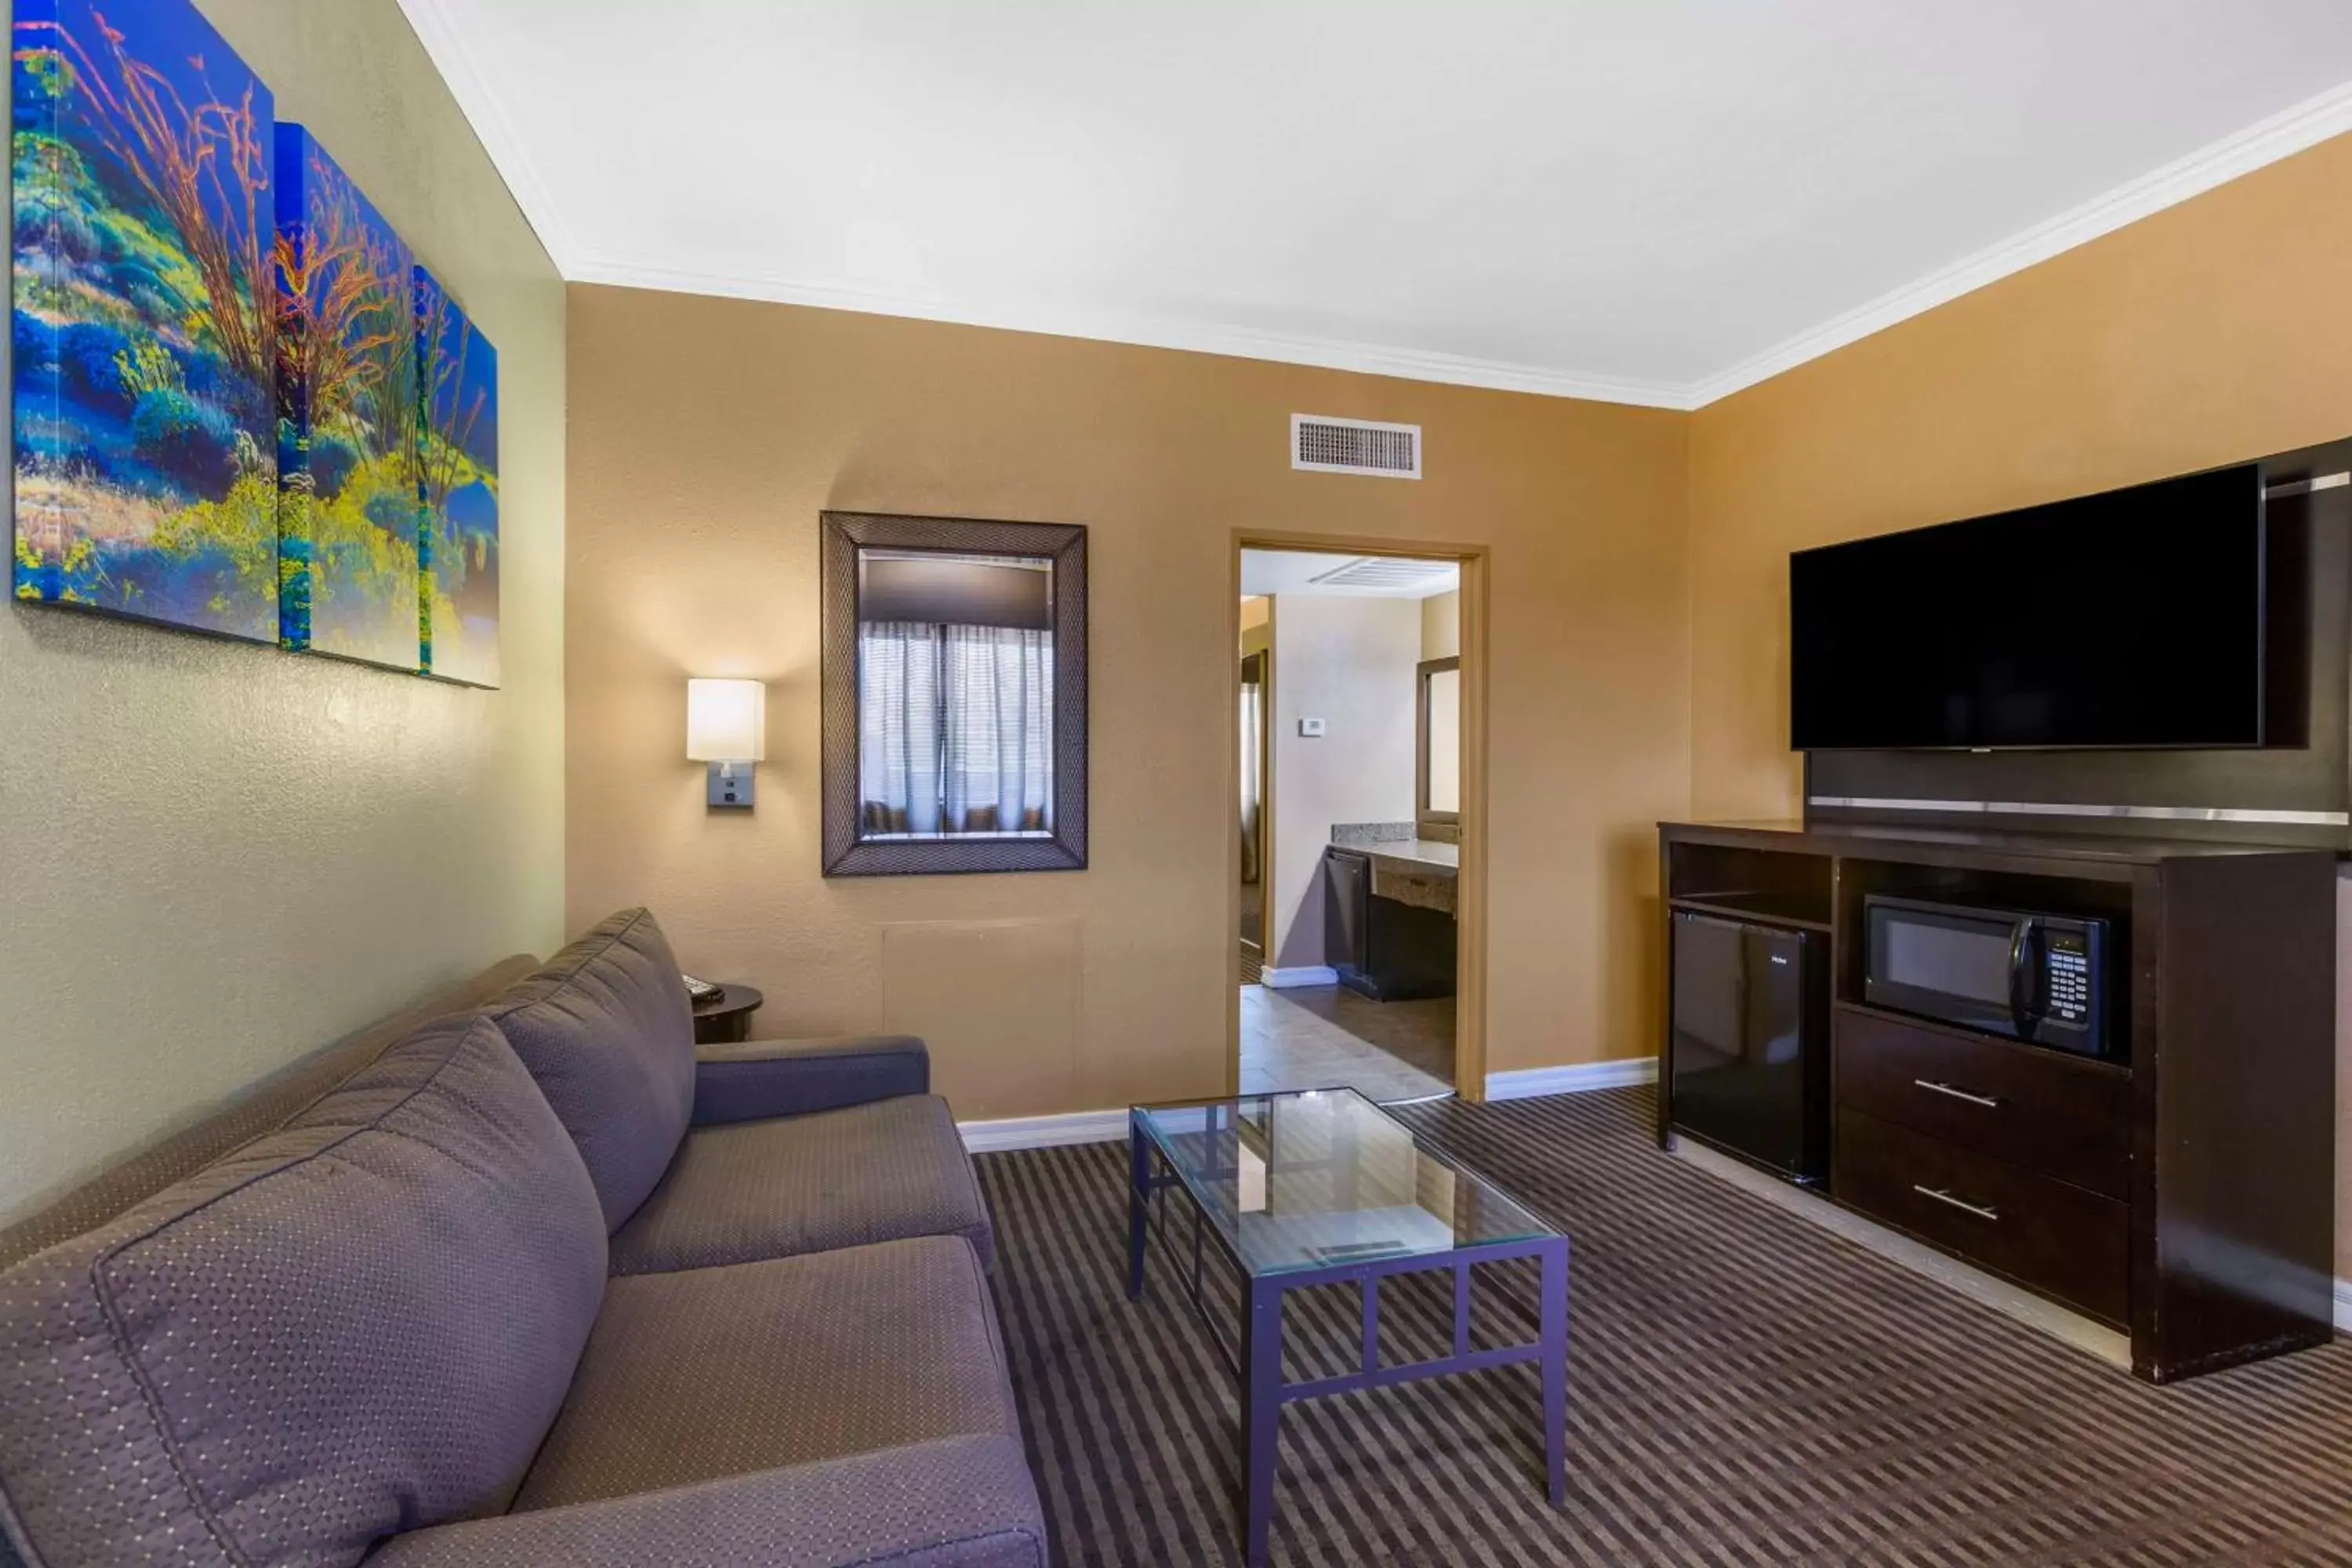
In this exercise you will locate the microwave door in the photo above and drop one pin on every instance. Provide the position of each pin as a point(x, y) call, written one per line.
point(1945, 966)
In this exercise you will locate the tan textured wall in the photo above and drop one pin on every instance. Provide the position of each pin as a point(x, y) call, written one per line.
point(1348, 662)
point(2215, 331)
point(215, 856)
point(706, 435)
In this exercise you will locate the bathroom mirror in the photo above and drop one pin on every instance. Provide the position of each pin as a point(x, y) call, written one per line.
point(955, 695)
point(1438, 734)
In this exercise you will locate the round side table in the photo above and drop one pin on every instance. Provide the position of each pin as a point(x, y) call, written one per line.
point(726, 1018)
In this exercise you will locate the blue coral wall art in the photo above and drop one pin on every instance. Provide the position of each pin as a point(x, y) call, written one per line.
point(347, 416)
point(457, 481)
point(145, 468)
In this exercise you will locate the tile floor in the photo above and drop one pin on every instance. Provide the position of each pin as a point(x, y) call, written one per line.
point(1420, 1032)
point(1296, 1037)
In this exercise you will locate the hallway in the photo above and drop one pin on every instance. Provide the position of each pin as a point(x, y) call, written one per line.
point(1323, 1036)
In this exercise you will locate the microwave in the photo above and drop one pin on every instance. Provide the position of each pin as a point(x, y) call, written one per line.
point(2033, 977)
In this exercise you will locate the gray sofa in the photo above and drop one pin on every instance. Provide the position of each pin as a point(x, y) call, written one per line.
point(520, 1278)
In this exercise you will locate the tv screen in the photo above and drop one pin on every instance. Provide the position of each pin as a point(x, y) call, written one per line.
point(2133, 618)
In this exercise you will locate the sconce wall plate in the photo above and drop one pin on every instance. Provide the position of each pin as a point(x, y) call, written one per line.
point(731, 785)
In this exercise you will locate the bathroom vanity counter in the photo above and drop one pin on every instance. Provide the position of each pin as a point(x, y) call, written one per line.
point(1389, 927)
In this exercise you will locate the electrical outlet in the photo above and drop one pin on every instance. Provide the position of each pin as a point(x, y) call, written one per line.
point(1311, 729)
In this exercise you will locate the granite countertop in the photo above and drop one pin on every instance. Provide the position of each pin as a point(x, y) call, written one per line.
point(1419, 855)
point(1402, 852)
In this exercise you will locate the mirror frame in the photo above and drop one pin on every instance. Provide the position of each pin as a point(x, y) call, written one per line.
point(1420, 811)
point(841, 535)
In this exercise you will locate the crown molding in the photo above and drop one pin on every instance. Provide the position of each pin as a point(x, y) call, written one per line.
point(2292, 131)
point(2295, 129)
point(1146, 331)
point(444, 37)
point(2282, 135)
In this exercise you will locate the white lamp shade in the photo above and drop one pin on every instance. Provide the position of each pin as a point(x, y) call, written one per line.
point(726, 720)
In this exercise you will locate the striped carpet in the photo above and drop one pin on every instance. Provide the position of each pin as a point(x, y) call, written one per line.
point(1744, 1389)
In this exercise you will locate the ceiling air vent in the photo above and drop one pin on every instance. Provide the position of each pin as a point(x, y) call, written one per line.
point(1355, 446)
point(1387, 571)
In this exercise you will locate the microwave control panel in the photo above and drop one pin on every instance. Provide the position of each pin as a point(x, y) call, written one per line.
point(2067, 975)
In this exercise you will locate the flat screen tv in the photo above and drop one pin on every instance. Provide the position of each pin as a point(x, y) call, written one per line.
point(2133, 618)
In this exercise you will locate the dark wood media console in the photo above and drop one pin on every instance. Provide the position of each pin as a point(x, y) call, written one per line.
point(2183, 1193)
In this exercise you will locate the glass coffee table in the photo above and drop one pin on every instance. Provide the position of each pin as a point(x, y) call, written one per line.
point(1319, 1187)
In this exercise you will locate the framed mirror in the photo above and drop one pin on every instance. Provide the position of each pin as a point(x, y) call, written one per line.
point(1437, 777)
point(954, 694)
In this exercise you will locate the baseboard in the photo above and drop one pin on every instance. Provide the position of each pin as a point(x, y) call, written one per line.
point(1044, 1131)
point(1305, 974)
point(1581, 1079)
point(2344, 1306)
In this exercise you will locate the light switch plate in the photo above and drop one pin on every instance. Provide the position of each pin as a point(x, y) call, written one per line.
point(1311, 729)
point(731, 785)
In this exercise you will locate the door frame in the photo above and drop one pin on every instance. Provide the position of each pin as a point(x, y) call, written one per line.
point(1470, 887)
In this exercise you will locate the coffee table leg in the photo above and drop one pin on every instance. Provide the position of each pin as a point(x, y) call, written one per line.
point(1139, 1204)
point(1555, 1370)
point(1261, 1414)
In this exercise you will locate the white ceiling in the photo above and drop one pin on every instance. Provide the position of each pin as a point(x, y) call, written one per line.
point(1654, 201)
point(1295, 571)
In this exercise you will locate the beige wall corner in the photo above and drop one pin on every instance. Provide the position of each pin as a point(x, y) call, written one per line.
point(218, 856)
point(708, 434)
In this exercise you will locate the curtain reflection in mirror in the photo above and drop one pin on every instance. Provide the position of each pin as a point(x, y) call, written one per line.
point(955, 718)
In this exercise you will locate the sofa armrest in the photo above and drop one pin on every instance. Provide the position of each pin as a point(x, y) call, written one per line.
point(762, 1078)
point(957, 1502)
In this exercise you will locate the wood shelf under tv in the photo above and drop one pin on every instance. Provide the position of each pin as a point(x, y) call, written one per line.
point(1772, 909)
point(2182, 1193)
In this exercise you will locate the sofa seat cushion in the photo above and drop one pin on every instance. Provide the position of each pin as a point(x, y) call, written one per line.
point(363, 1322)
point(957, 1502)
point(607, 1029)
point(713, 1372)
point(752, 1190)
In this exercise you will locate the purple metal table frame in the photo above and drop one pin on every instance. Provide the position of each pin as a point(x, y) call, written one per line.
point(1257, 1359)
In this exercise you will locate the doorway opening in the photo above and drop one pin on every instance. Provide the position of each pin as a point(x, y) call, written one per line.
point(1355, 720)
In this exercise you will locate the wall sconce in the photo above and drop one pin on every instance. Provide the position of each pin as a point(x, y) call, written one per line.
point(727, 727)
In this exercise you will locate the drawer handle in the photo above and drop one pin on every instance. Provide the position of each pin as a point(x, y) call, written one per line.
point(1944, 1197)
point(1932, 1086)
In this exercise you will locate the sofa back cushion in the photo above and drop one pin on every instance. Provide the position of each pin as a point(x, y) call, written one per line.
point(607, 1029)
point(360, 1324)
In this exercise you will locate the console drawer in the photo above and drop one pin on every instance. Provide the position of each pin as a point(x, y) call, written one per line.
point(2056, 1238)
point(2051, 1113)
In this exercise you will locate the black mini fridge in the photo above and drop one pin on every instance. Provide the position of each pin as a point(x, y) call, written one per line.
point(1748, 1053)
